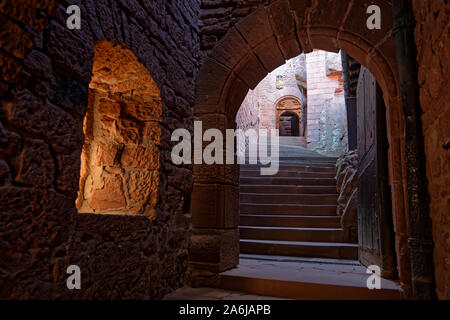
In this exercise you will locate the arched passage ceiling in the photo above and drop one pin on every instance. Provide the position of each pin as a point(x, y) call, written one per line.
point(262, 41)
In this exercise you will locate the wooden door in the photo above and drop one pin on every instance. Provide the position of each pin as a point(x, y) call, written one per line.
point(375, 227)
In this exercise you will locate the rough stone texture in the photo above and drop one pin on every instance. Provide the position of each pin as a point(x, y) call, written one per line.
point(433, 44)
point(266, 95)
point(327, 118)
point(217, 17)
point(259, 110)
point(347, 188)
point(263, 106)
point(119, 169)
point(45, 71)
point(248, 117)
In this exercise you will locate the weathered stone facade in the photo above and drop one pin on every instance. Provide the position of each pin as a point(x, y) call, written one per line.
point(314, 83)
point(267, 95)
point(120, 162)
point(327, 118)
point(433, 43)
point(217, 17)
point(247, 118)
point(45, 73)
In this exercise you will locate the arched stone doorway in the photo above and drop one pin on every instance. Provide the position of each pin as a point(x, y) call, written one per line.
point(255, 46)
point(289, 124)
point(289, 116)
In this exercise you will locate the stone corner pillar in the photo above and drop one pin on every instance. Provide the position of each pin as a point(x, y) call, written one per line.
point(214, 209)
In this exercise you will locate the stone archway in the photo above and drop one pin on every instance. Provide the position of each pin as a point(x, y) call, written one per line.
point(255, 46)
point(287, 106)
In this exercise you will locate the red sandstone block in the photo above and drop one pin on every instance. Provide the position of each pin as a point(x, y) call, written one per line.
point(214, 249)
point(231, 49)
point(215, 206)
point(217, 173)
point(269, 54)
point(236, 95)
point(251, 71)
point(141, 157)
point(110, 197)
point(356, 23)
point(283, 25)
point(255, 28)
point(212, 77)
point(106, 154)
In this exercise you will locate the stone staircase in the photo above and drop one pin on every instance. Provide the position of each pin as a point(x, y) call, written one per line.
point(292, 245)
point(294, 212)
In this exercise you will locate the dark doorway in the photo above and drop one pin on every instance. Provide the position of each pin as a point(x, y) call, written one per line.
point(289, 124)
point(375, 226)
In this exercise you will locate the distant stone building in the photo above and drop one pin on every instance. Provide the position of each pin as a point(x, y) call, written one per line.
point(307, 91)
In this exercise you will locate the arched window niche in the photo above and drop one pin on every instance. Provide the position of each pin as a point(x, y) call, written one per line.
point(120, 160)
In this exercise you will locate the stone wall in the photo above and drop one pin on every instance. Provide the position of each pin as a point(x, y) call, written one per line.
point(247, 118)
point(259, 108)
point(120, 166)
point(319, 74)
point(266, 95)
point(327, 117)
point(218, 16)
point(269, 95)
point(45, 71)
point(433, 44)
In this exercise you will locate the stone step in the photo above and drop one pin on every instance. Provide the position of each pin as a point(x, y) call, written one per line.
point(294, 234)
point(288, 209)
point(314, 160)
point(297, 280)
point(279, 198)
point(290, 221)
point(262, 257)
point(300, 249)
point(288, 181)
point(245, 188)
point(297, 168)
point(301, 161)
point(290, 139)
point(299, 174)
